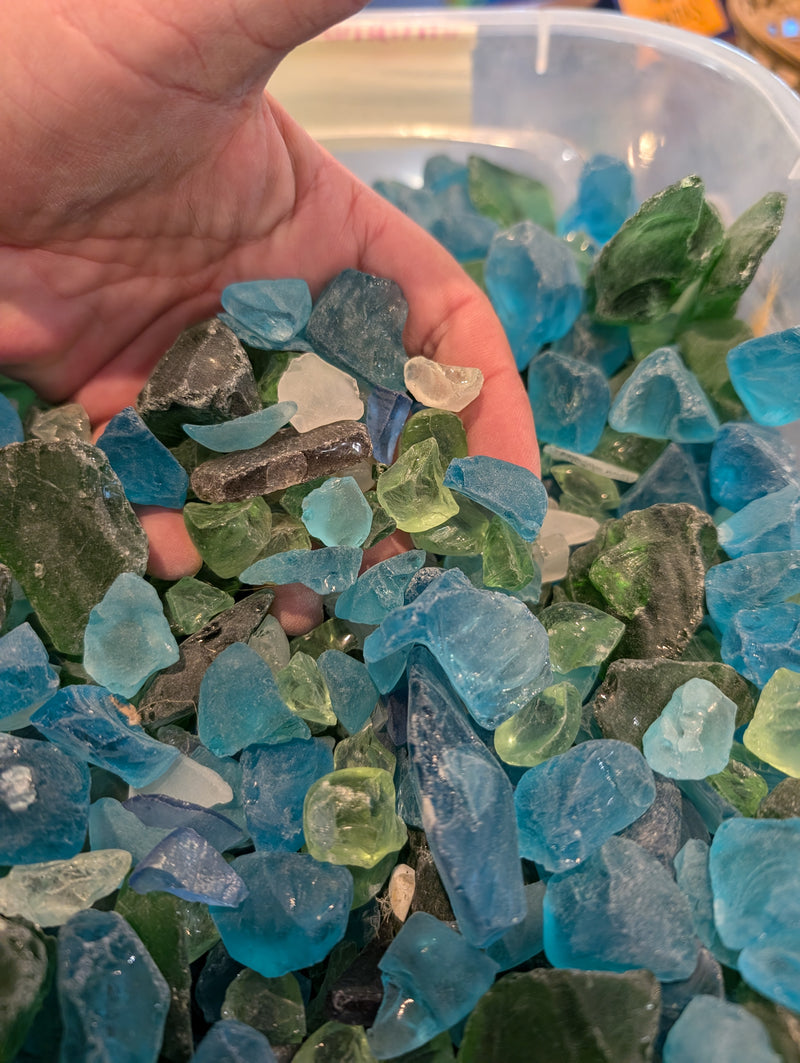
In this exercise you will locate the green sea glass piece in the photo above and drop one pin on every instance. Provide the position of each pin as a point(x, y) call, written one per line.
point(62, 504)
point(774, 731)
point(288, 533)
point(229, 536)
point(412, 492)
point(369, 881)
point(191, 603)
point(382, 524)
point(462, 535)
point(363, 750)
point(444, 426)
point(546, 726)
point(579, 635)
point(741, 786)
point(27, 958)
point(336, 1043)
point(508, 197)
point(273, 1006)
point(507, 560)
point(704, 346)
point(586, 492)
point(333, 634)
point(304, 690)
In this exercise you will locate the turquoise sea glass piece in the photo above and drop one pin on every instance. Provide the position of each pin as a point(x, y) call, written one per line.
point(231, 1041)
point(570, 399)
point(693, 735)
point(149, 473)
point(607, 347)
point(380, 589)
point(112, 826)
point(267, 314)
point(605, 199)
point(11, 430)
point(242, 433)
point(352, 692)
point(27, 679)
point(768, 523)
point(674, 476)
point(511, 491)
point(185, 865)
point(709, 1030)
point(692, 875)
point(329, 570)
point(764, 373)
point(337, 513)
point(387, 412)
point(759, 641)
point(170, 813)
point(772, 968)
point(748, 461)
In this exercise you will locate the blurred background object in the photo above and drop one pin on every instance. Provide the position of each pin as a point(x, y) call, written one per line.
point(770, 31)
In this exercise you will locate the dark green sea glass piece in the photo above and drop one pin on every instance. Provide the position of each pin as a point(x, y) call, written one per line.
point(508, 197)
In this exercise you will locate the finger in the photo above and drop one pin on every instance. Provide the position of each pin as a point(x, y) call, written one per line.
point(173, 555)
point(297, 608)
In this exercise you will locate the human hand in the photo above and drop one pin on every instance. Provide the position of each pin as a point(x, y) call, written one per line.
point(146, 168)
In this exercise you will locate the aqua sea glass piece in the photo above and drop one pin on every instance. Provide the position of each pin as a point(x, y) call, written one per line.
point(526, 939)
point(232, 1041)
point(764, 372)
point(52, 892)
point(534, 286)
point(128, 637)
point(185, 865)
point(467, 808)
point(603, 784)
point(170, 813)
point(432, 977)
point(412, 490)
point(27, 679)
point(768, 523)
point(748, 461)
point(547, 725)
point(694, 880)
point(772, 968)
point(464, 231)
point(242, 433)
point(380, 589)
point(387, 412)
point(662, 399)
point(605, 199)
point(606, 347)
point(692, 736)
point(295, 913)
point(709, 1030)
point(92, 724)
point(329, 570)
point(774, 732)
point(268, 313)
point(229, 536)
point(11, 430)
point(618, 911)
point(112, 826)
point(240, 704)
point(511, 491)
point(353, 694)
point(149, 473)
point(570, 399)
point(759, 641)
point(337, 513)
point(674, 476)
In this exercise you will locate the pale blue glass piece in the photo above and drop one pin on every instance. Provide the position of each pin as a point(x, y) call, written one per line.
point(253, 339)
point(329, 570)
point(242, 433)
point(605, 199)
point(757, 642)
point(490, 646)
point(570, 399)
point(467, 808)
point(606, 347)
point(98, 950)
point(275, 781)
point(457, 225)
point(441, 171)
point(380, 589)
point(27, 679)
point(44, 802)
point(89, 723)
point(128, 638)
point(673, 477)
point(766, 524)
point(432, 977)
point(353, 693)
point(748, 461)
point(387, 672)
point(387, 412)
point(772, 968)
point(764, 373)
point(269, 313)
point(569, 805)
point(760, 580)
point(525, 940)
point(185, 865)
point(694, 880)
point(418, 203)
point(618, 911)
point(337, 513)
point(710, 1030)
point(535, 287)
point(113, 826)
point(296, 912)
point(150, 474)
point(11, 430)
point(512, 491)
point(231, 1041)
point(693, 734)
point(239, 704)
point(169, 813)
point(662, 399)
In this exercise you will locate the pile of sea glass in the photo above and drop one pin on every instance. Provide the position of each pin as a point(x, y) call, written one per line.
point(532, 788)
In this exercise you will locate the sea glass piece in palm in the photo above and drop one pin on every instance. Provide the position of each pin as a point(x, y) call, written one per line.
point(412, 490)
point(242, 433)
point(321, 392)
point(329, 570)
point(570, 400)
point(605, 199)
point(511, 491)
point(442, 387)
point(268, 314)
point(337, 513)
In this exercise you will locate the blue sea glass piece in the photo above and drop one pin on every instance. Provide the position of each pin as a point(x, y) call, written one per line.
point(239, 704)
point(329, 570)
point(337, 513)
point(693, 734)
point(535, 287)
point(44, 802)
point(467, 807)
point(709, 1030)
point(387, 412)
point(570, 399)
point(353, 694)
point(185, 865)
point(128, 638)
point(525, 940)
point(91, 724)
point(268, 314)
point(466, 233)
point(231, 1041)
point(619, 910)
point(662, 399)
point(694, 880)
point(27, 679)
point(766, 524)
point(441, 171)
point(149, 473)
point(606, 347)
point(757, 642)
point(113, 826)
point(432, 977)
point(764, 373)
point(380, 589)
point(748, 461)
point(275, 781)
point(512, 491)
point(673, 477)
point(98, 951)
point(242, 433)
point(491, 647)
point(772, 968)
point(569, 805)
point(605, 199)
point(11, 430)
point(296, 912)
point(168, 813)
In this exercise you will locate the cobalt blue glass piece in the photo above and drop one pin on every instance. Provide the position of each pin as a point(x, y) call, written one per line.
point(387, 412)
point(605, 199)
point(692, 736)
point(525, 940)
point(44, 802)
point(467, 808)
point(673, 477)
point(606, 347)
point(239, 704)
point(492, 649)
point(168, 813)
point(27, 679)
point(11, 430)
point(756, 642)
point(710, 1030)
point(535, 287)
point(329, 570)
point(113, 826)
point(231, 1041)
point(149, 473)
point(618, 911)
point(353, 694)
point(380, 589)
point(98, 950)
point(296, 912)
point(242, 433)
point(570, 399)
point(764, 525)
point(185, 865)
point(512, 491)
point(764, 373)
point(757, 579)
point(600, 786)
point(337, 513)
point(748, 461)
point(432, 977)
point(268, 314)
point(275, 781)
point(91, 724)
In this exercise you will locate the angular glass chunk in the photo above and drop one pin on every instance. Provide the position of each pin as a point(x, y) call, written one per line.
point(570, 399)
point(27, 679)
point(242, 433)
point(693, 735)
point(233, 1041)
point(709, 1030)
point(303, 689)
point(759, 641)
point(768, 523)
point(26, 962)
point(191, 781)
point(329, 570)
point(274, 1006)
point(586, 491)
point(508, 197)
point(321, 393)
point(11, 430)
point(764, 372)
point(412, 491)
point(380, 589)
point(191, 603)
point(69, 421)
point(270, 642)
point(607, 347)
point(268, 313)
point(772, 967)
point(774, 732)
point(337, 513)
point(52, 892)
point(335, 1042)
point(546, 726)
point(506, 559)
point(673, 477)
point(185, 865)
point(364, 750)
point(579, 635)
point(692, 875)
point(150, 475)
point(512, 491)
point(748, 461)
point(169, 813)
point(353, 694)
point(387, 412)
point(445, 427)
point(229, 536)
point(605, 199)
point(442, 387)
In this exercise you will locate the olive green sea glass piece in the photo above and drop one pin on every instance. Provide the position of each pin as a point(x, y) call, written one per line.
point(649, 337)
point(229, 536)
point(288, 533)
point(703, 646)
point(545, 727)
point(63, 504)
point(191, 603)
point(704, 346)
point(508, 197)
point(273, 1006)
point(507, 560)
point(304, 690)
point(579, 634)
point(336, 1043)
point(333, 634)
point(740, 786)
point(586, 492)
point(363, 750)
point(444, 426)
point(27, 962)
point(412, 492)
point(774, 731)
point(630, 452)
point(461, 535)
